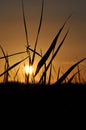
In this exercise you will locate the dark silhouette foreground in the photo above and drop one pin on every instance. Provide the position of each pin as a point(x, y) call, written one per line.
point(52, 100)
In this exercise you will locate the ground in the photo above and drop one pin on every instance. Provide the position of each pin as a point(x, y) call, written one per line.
point(53, 100)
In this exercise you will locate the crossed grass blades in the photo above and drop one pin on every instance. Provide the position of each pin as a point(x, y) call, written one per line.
point(43, 59)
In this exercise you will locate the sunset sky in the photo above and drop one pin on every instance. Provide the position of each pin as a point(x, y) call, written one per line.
point(12, 36)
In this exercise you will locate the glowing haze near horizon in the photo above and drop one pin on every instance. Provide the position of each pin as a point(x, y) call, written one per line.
point(12, 36)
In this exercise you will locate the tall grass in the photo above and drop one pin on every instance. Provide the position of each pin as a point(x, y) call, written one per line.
point(79, 78)
point(16, 73)
point(43, 59)
point(6, 65)
point(69, 71)
point(51, 48)
point(41, 18)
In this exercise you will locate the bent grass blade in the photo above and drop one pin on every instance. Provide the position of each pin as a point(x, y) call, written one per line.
point(51, 48)
point(18, 53)
point(16, 64)
point(54, 55)
point(68, 72)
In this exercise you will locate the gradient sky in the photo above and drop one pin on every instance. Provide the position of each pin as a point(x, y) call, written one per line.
point(12, 36)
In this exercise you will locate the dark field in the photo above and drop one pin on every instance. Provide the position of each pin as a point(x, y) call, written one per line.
point(64, 97)
point(43, 104)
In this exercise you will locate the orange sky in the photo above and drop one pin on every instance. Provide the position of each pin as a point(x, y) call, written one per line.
point(12, 36)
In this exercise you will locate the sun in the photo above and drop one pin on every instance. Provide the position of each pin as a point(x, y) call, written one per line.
point(28, 69)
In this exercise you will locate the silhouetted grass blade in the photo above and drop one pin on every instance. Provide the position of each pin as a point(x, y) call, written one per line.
point(51, 48)
point(68, 72)
point(24, 20)
point(35, 52)
point(16, 73)
point(13, 66)
point(44, 82)
point(54, 70)
point(50, 74)
point(54, 55)
point(70, 80)
point(33, 57)
point(78, 74)
point(2, 51)
point(6, 66)
point(26, 33)
point(18, 53)
point(58, 73)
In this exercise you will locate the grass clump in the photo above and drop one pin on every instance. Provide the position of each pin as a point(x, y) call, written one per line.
point(43, 58)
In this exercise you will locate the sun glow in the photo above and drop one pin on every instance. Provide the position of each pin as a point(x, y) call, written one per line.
point(28, 69)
